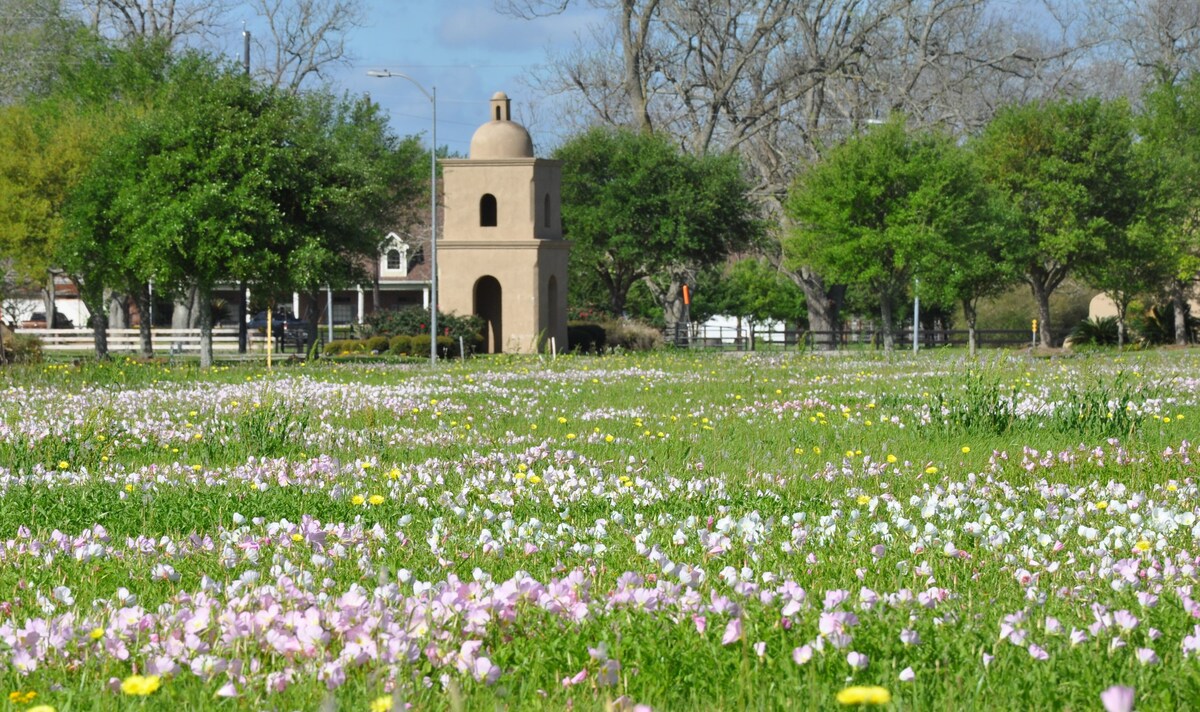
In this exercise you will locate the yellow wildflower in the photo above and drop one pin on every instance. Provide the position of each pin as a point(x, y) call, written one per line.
point(891, 458)
point(41, 708)
point(63, 464)
point(534, 479)
point(1142, 546)
point(382, 704)
point(931, 470)
point(357, 500)
point(376, 499)
point(864, 695)
point(139, 685)
point(966, 449)
point(96, 634)
point(863, 499)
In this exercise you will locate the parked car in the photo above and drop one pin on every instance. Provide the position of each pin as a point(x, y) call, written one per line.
point(285, 328)
point(281, 320)
point(37, 320)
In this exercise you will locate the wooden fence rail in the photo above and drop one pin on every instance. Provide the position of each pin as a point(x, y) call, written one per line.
point(225, 340)
point(723, 337)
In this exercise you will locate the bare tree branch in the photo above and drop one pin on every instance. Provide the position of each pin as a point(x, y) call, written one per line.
point(305, 37)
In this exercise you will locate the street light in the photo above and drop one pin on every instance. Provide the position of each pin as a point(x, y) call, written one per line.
point(433, 276)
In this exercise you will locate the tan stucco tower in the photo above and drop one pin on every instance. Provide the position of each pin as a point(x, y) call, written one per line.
point(502, 255)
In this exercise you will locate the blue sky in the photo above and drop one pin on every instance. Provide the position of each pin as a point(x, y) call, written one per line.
point(466, 49)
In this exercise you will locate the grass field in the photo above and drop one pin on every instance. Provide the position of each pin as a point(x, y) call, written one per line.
point(678, 531)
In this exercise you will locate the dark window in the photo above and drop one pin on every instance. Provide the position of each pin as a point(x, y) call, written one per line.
point(487, 210)
point(546, 211)
point(393, 259)
point(497, 113)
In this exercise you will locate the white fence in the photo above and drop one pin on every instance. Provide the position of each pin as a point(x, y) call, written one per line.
point(225, 339)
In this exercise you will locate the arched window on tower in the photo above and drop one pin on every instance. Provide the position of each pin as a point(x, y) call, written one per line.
point(393, 259)
point(487, 210)
point(497, 113)
point(546, 211)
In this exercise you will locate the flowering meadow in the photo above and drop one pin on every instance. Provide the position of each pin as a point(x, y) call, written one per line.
point(667, 531)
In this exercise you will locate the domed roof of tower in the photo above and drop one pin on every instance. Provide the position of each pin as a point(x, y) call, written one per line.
point(501, 137)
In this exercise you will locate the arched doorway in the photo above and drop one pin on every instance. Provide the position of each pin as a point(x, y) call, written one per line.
point(488, 307)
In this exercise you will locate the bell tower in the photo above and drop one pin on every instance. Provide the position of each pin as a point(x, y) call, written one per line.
point(502, 255)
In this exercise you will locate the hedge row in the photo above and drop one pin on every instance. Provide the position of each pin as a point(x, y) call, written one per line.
point(396, 346)
point(585, 337)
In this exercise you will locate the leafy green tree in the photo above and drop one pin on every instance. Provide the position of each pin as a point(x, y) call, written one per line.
point(883, 208)
point(638, 209)
point(1170, 146)
point(977, 265)
point(43, 155)
point(350, 171)
point(759, 292)
point(224, 180)
point(1066, 169)
point(193, 189)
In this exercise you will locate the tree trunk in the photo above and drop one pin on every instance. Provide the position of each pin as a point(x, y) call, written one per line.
point(204, 296)
point(243, 330)
point(671, 300)
point(314, 320)
point(118, 310)
point(142, 298)
point(1041, 294)
point(49, 293)
point(970, 314)
point(185, 314)
point(634, 39)
point(824, 306)
point(618, 292)
point(885, 314)
point(100, 330)
point(1122, 310)
point(376, 293)
point(1179, 302)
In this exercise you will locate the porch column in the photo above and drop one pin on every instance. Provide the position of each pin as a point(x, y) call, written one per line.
point(360, 304)
point(296, 304)
point(425, 298)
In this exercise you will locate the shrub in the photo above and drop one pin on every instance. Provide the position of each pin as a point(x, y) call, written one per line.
point(393, 322)
point(1157, 326)
point(411, 321)
point(469, 327)
point(333, 348)
point(377, 344)
point(586, 338)
point(447, 347)
point(632, 335)
point(26, 349)
point(1095, 332)
point(420, 344)
point(400, 345)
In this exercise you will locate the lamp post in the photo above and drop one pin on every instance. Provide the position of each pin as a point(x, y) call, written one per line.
point(433, 275)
